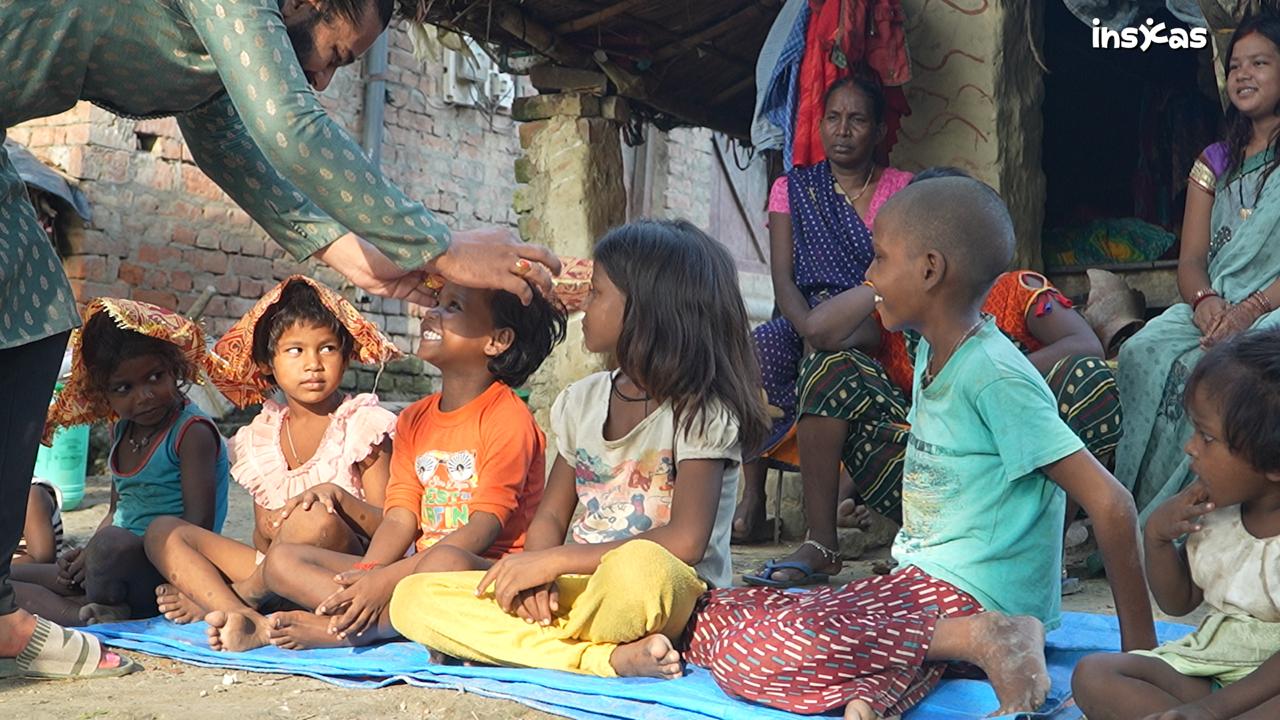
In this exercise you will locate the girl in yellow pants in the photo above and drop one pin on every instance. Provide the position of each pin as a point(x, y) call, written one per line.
point(651, 450)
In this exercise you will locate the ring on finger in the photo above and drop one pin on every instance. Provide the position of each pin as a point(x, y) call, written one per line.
point(433, 284)
point(523, 267)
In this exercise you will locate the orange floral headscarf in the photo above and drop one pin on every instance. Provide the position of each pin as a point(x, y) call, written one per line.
point(574, 281)
point(238, 376)
point(79, 402)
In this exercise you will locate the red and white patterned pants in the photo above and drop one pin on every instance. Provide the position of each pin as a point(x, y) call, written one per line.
point(811, 652)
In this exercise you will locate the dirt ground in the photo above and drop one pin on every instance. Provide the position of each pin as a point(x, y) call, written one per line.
point(168, 689)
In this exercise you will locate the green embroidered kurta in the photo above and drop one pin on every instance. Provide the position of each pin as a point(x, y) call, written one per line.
point(227, 70)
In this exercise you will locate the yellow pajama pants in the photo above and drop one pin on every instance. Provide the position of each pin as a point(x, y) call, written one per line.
point(639, 589)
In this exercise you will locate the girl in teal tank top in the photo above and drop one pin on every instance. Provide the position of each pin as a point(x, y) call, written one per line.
point(130, 364)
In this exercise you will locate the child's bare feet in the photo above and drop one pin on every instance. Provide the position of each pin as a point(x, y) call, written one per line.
point(237, 630)
point(176, 606)
point(253, 589)
point(850, 514)
point(98, 613)
point(1011, 651)
point(302, 630)
point(651, 656)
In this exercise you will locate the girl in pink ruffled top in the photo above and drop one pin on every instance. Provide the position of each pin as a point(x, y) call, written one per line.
point(316, 465)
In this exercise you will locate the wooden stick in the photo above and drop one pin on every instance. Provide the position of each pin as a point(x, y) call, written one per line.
point(667, 35)
point(595, 18)
point(748, 13)
point(538, 37)
point(746, 82)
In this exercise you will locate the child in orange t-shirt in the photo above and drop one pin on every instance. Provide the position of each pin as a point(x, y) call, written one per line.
point(466, 473)
point(450, 468)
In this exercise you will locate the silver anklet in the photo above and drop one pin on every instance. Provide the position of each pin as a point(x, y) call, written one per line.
point(832, 556)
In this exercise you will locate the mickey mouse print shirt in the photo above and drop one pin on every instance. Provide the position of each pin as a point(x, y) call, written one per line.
point(625, 485)
point(486, 456)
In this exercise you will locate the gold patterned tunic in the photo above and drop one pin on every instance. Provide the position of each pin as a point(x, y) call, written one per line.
point(227, 71)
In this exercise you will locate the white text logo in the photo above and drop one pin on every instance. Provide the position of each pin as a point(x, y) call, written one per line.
point(1148, 34)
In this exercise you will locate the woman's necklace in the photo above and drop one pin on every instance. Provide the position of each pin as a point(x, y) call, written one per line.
point(865, 183)
point(1245, 212)
point(929, 372)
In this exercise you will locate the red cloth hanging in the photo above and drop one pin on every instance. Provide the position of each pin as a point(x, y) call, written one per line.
point(840, 40)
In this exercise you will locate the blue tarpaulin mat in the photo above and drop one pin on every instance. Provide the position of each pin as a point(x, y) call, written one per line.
point(692, 697)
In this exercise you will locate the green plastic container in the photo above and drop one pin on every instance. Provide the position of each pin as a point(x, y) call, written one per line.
point(64, 463)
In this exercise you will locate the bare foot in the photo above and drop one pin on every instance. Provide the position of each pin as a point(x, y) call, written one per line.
point(98, 613)
point(651, 656)
point(237, 630)
point(750, 525)
point(1011, 651)
point(176, 606)
point(850, 514)
point(302, 630)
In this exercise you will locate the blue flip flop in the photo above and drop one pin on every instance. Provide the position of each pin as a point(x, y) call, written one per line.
point(764, 578)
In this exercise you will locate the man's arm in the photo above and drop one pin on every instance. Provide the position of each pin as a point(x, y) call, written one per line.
point(268, 94)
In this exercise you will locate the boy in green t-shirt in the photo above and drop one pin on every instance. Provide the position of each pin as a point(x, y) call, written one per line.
point(981, 542)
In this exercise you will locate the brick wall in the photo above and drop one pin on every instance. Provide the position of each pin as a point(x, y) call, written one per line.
point(685, 175)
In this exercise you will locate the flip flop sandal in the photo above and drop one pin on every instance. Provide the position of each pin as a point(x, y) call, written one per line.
point(56, 653)
point(764, 578)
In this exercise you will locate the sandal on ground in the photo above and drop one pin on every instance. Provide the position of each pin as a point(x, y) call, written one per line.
point(808, 576)
point(764, 578)
point(56, 653)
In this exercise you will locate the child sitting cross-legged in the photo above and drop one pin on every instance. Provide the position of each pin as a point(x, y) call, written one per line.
point(316, 465)
point(130, 363)
point(466, 473)
point(1230, 521)
point(980, 547)
point(651, 450)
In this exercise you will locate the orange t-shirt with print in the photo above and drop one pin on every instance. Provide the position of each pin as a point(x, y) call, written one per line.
point(486, 456)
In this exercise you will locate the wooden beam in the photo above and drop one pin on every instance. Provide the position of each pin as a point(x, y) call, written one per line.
point(734, 89)
point(595, 18)
point(667, 35)
point(534, 34)
point(748, 13)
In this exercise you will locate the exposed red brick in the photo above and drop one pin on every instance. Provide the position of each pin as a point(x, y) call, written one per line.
point(180, 280)
point(157, 297)
point(86, 267)
point(132, 274)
